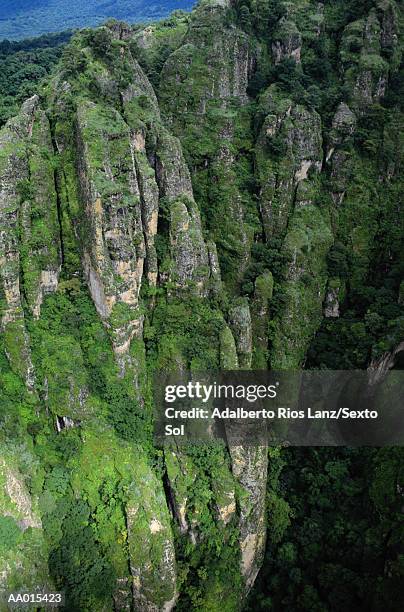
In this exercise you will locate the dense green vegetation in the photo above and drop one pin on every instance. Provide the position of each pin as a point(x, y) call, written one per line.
point(215, 190)
point(22, 66)
point(340, 541)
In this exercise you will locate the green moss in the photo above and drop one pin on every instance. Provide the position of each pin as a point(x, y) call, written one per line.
point(122, 314)
point(23, 549)
point(228, 353)
point(374, 63)
point(264, 285)
point(16, 345)
point(307, 241)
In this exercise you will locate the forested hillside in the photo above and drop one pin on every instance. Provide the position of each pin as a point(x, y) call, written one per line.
point(26, 18)
point(22, 67)
point(220, 190)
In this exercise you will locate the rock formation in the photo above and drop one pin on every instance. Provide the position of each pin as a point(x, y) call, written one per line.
point(176, 200)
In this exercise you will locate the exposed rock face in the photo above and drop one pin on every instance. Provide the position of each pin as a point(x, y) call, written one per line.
point(188, 250)
point(370, 88)
point(341, 172)
point(171, 170)
point(250, 469)
point(306, 244)
point(208, 72)
point(228, 350)
point(139, 87)
point(41, 264)
point(181, 476)
point(64, 423)
point(401, 293)
point(27, 198)
point(343, 126)
point(23, 563)
point(18, 495)
point(288, 42)
point(331, 307)
point(153, 566)
point(189, 253)
point(13, 169)
point(333, 297)
point(288, 160)
point(229, 63)
point(107, 172)
point(367, 72)
point(380, 366)
point(149, 203)
point(215, 277)
point(249, 464)
point(389, 26)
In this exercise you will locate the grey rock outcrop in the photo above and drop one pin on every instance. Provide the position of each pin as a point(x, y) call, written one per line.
point(287, 42)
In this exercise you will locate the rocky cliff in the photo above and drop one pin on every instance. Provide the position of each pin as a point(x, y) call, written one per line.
point(200, 193)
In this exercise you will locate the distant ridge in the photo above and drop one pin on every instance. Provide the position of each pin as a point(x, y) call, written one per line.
point(21, 19)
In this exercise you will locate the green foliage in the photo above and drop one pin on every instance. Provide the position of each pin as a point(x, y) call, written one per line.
point(167, 37)
point(10, 533)
point(72, 354)
point(185, 329)
point(199, 587)
point(259, 16)
point(337, 260)
point(73, 60)
point(23, 65)
point(333, 554)
point(79, 564)
point(268, 256)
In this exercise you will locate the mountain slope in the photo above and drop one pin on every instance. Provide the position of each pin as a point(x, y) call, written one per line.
point(219, 191)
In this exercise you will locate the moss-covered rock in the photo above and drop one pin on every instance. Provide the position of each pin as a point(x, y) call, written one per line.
point(307, 242)
point(288, 150)
point(23, 549)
